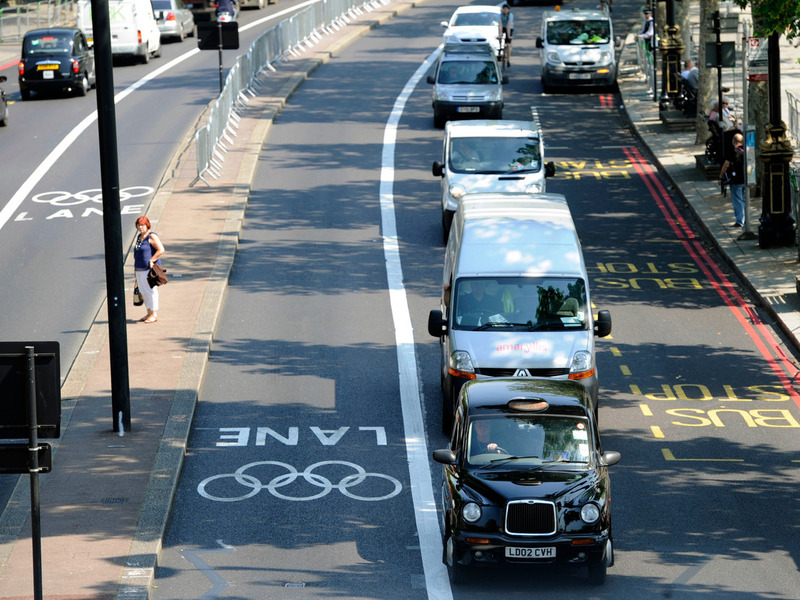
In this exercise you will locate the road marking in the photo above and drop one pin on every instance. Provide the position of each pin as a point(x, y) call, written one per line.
point(218, 582)
point(425, 513)
point(646, 410)
point(625, 370)
point(657, 433)
point(669, 456)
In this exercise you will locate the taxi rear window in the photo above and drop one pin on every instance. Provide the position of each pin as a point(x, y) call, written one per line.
point(47, 44)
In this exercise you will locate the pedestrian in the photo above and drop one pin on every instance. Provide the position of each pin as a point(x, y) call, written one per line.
point(147, 250)
point(691, 74)
point(725, 119)
point(506, 32)
point(732, 174)
point(648, 32)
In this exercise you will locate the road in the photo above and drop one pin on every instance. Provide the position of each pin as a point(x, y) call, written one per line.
point(315, 371)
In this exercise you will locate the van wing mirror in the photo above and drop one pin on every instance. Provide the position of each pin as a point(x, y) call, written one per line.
point(505, 79)
point(437, 326)
point(539, 43)
point(430, 79)
point(602, 325)
point(550, 169)
point(437, 169)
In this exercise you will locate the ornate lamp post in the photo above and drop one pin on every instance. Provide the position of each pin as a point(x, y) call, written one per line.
point(777, 224)
point(671, 50)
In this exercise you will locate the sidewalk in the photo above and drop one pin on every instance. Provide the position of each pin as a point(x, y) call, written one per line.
point(105, 504)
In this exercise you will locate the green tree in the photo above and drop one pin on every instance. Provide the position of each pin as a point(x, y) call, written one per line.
point(774, 16)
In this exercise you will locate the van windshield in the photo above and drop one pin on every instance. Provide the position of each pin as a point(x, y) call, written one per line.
point(468, 72)
point(520, 303)
point(494, 155)
point(565, 33)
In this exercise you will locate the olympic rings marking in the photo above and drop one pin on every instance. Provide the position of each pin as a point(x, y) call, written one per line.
point(249, 481)
point(61, 198)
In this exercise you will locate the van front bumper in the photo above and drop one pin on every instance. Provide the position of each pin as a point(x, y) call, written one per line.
point(578, 76)
point(467, 110)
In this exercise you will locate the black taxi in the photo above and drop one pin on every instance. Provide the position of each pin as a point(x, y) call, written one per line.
point(56, 59)
point(525, 480)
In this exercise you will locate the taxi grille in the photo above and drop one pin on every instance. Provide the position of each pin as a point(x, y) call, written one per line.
point(555, 372)
point(530, 517)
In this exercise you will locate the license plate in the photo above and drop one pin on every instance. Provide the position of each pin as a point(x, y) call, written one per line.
point(46, 67)
point(48, 75)
point(516, 552)
point(580, 75)
point(468, 109)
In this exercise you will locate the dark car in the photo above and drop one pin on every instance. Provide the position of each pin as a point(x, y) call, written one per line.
point(525, 481)
point(3, 105)
point(57, 60)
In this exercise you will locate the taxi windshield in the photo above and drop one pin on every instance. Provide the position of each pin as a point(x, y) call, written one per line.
point(468, 72)
point(565, 33)
point(529, 440)
point(520, 303)
point(495, 154)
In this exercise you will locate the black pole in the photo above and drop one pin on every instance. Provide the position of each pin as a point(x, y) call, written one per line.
point(33, 470)
point(654, 48)
point(774, 79)
point(718, 47)
point(219, 33)
point(112, 227)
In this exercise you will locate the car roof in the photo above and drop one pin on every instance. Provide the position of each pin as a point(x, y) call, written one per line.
point(491, 128)
point(562, 396)
point(475, 8)
point(51, 30)
point(574, 14)
point(467, 49)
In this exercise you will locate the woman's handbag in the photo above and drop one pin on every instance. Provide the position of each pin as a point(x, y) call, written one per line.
point(138, 300)
point(157, 275)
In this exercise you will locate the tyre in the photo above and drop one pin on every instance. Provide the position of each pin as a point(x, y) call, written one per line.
point(438, 121)
point(25, 93)
point(181, 34)
point(83, 86)
point(447, 221)
point(597, 573)
point(456, 573)
point(145, 58)
point(157, 53)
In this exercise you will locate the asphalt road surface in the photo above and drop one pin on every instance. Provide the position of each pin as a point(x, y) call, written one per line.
point(304, 465)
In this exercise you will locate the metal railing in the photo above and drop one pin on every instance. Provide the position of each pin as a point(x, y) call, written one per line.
point(16, 20)
point(290, 37)
point(794, 118)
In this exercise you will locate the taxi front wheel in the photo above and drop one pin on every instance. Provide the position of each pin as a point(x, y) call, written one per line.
point(455, 571)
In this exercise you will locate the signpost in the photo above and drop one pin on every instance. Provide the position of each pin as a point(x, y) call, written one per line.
point(30, 404)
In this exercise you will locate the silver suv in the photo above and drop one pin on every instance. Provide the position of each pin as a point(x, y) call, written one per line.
point(467, 83)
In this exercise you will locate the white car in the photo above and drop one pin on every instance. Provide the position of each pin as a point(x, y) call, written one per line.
point(490, 156)
point(476, 24)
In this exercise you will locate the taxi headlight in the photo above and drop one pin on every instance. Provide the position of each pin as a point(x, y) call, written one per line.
point(581, 362)
point(462, 361)
point(533, 188)
point(471, 512)
point(590, 513)
point(456, 191)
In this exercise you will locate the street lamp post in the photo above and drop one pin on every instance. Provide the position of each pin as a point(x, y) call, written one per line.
point(777, 224)
point(671, 50)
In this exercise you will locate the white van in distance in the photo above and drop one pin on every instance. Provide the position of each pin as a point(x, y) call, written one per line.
point(134, 29)
point(515, 296)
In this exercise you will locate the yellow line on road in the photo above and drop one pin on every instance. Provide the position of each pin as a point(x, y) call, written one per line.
point(646, 410)
point(657, 433)
point(625, 370)
point(670, 456)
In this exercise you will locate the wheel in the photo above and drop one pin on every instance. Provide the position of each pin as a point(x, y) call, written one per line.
point(192, 31)
point(597, 573)
point(447, 220)
point(146, 57)
point(181, 34)
point(83, 86)
point(25, 93)
point(157, 53)
point(438, 121)
point(457, 573)
point(4, 120)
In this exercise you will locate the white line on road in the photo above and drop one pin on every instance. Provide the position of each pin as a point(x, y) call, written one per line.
point(430, 537)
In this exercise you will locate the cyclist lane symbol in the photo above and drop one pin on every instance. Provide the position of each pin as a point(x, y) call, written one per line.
point(275, 484)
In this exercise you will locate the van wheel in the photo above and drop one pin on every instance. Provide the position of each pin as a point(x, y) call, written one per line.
point(157, 53)
point(439, 122)
point(447, 221)
point(144, 59)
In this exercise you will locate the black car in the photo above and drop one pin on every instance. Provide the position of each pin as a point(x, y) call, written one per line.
point(57, 59)
point(525, 481)
point(3, 105)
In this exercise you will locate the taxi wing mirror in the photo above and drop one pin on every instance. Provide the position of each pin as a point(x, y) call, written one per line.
point(610, 458)
point(437, 326)
point(446, 457)
point(602, 325)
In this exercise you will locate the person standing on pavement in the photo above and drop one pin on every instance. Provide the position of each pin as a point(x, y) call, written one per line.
point(733, 175)
point(648, 32)
point(506, 32)
point(147, 250)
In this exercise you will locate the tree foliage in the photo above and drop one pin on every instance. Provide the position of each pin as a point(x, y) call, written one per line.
point(774, 16)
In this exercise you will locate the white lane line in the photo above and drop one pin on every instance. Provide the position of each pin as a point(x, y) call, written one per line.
point(430, 537)
point(19, 196)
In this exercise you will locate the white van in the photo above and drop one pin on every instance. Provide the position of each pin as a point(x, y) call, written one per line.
point(515, 296)
point(134, 29)
point(490, 156)
point(577, 48)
